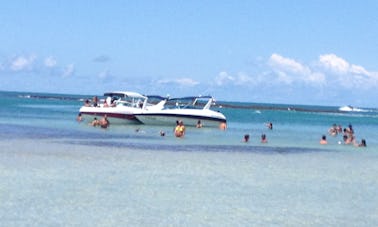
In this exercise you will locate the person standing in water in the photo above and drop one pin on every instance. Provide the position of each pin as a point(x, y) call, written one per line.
point(180, 129)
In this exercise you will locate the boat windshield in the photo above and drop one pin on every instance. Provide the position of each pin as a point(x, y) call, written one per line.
point(125, 99)
point(195, 102)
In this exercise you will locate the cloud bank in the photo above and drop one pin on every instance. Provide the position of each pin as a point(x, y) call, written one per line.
point(277, 78)
point(186, 82)
point(21, 63)
point(328, 70)
point(31, 64)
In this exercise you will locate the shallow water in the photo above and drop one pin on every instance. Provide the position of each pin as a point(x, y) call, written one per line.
point(54, 183)
point(55, 171)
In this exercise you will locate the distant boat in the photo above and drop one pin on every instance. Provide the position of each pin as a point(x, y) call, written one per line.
point(351, 109)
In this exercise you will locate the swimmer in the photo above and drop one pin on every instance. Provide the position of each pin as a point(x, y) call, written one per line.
point(223, 126)
point(263, 138)
point(104, 122)
point(199, 124)
point(362, 144)
point(95, 122)
point(323, 140)
point(246, 138)
point(79, 118)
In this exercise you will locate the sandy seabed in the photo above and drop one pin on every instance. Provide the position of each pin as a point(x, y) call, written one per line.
point(51, 182)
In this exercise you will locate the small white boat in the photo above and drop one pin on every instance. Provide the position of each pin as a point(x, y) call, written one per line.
point(351, 109)
point(119, 107)
point(196, 110)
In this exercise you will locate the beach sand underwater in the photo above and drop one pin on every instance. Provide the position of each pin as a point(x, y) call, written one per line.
point(48, 183)
point(54, 171)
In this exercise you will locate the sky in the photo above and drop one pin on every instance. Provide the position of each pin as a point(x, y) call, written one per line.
point(315, 52)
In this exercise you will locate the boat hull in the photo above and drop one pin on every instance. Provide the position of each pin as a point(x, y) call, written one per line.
point(114, 115)
point(170, 119)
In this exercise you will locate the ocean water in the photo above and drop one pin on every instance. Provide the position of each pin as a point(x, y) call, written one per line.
point(58, 172)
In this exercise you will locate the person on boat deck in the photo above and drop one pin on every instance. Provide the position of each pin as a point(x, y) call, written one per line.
point(95, 101)
point(199, 124)
point(180, 129)
point(323, 140)
point(87, 103)
point(105, 104)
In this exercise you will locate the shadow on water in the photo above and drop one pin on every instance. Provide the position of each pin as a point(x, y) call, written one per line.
point(132, 141)
point(13, 131)
point(196, 147)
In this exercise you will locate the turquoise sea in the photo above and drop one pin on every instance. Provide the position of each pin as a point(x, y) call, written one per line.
point(55, 171)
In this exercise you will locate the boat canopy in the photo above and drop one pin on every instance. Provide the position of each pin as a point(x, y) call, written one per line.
point(125, 94)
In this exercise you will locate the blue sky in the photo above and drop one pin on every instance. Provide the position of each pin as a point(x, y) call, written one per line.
point(298, 52)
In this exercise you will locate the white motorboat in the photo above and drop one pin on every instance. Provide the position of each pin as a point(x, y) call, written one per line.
point(119, 107)
point(196, 110)
point(351, 109)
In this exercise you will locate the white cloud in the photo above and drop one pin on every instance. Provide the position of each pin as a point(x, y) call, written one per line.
point(288, 71)
point(341, 66)
point(243, 78)
point(356, 69)
point(22, 63)
point(50, 62)
point(240, 79)
point(223, 78)
point(348, 75)
point(287, 64)
point(334, 63)
point(181, 81)
point(187, 82)
point(68, 70)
